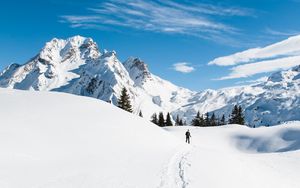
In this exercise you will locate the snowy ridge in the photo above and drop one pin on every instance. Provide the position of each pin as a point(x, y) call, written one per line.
point(77, 66)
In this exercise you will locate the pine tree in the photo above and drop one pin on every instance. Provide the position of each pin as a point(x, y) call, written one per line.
point(196, 120)
point(240, 118)
point(222, 122)
point(213, 120)
point(168, 120)
point(140, 114)
point(177, 121)
point(154, 119)
point(180, 122)
point(161, 120)
point(237, 116)
point(207, 120)
point(234, 115)
point(124, 101)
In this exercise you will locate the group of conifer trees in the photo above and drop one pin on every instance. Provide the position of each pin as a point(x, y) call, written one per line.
point(237, 116)
point(207, 120)
point(163, 122)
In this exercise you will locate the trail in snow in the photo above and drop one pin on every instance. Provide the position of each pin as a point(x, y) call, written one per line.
point(236, 156)
point(175, 173)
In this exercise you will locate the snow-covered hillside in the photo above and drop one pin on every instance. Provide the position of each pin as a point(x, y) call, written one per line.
point(77, 66)
point(57, 140)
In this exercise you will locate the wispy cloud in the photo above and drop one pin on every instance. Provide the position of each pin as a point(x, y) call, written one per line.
point(251, 69)
point(278, 56)
point(288, 47)
point(195, 19)
point(183, 67)
point(281, 33)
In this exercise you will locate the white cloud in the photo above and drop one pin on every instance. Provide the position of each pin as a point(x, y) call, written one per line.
point(250, 69)
point(195, 19)
point(288, 47)
point(183, 67)
point(278, 56)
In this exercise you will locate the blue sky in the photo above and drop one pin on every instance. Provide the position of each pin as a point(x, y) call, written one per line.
point(176, 39)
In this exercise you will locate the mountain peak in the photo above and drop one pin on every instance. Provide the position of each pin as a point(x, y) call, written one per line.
point(75, 65)
point(137, 69)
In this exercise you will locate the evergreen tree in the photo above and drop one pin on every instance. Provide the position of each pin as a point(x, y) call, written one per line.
point(154, 119)
point(213, 121)
point(168, 120)
point(180, 122)
point(237, 116)
point(177, 121)
point(124, 101)
point(222, 122)
point(140, 114)
point(196, 120)
point(240, 118)
point(234, 115)
point(207, 120)
point(161, 120)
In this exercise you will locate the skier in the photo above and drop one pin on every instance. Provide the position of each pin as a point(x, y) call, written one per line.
point(187, 136)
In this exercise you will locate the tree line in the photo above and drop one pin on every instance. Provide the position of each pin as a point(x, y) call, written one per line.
point(207, 120)
point(200, 120)
point(163, 122)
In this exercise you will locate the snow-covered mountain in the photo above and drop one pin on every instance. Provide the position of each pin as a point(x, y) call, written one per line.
point(78, 66)
point(270, 102)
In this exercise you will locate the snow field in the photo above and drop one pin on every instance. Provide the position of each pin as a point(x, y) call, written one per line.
point(56, 140)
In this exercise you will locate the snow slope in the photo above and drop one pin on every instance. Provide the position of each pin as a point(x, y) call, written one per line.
point(77, 66)
point(57, 140)
point(236, 156)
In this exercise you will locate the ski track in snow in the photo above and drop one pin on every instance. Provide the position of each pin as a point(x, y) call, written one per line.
point(174, 174)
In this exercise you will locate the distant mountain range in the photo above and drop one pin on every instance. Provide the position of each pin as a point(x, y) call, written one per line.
point(77, 65)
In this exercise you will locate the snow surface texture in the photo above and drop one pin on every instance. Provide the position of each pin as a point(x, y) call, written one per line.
point(77, 66)
point(237, 156)
point(57, 140)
